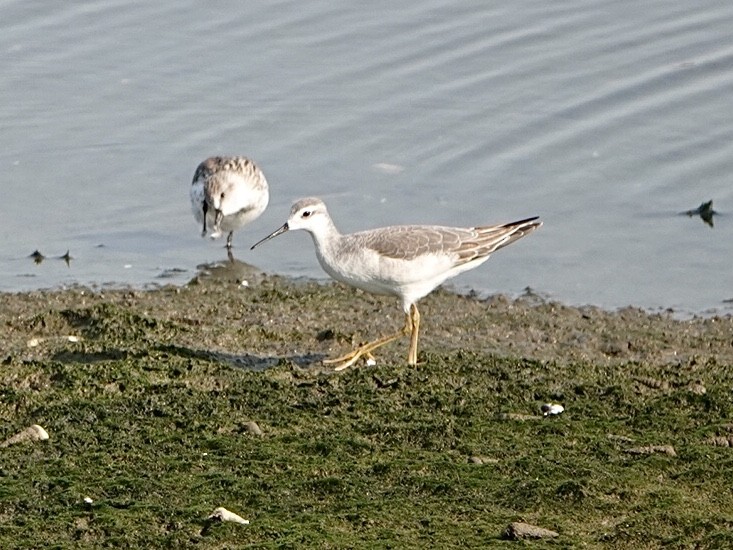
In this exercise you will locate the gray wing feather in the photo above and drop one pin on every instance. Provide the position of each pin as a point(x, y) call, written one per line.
point(407, 242)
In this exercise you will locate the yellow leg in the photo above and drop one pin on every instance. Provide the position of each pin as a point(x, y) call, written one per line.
point(414, 316)
point(345, 361)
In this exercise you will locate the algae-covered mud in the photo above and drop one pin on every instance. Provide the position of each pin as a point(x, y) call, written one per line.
point(161, 406)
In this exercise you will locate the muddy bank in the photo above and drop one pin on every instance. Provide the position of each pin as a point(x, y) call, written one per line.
point(269, 318)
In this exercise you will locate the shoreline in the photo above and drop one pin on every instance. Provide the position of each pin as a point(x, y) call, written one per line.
point(238, 270)
point(161, 406)
point(527, 326)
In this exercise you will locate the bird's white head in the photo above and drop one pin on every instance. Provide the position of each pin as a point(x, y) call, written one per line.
point(216, 193)
point(220, 196)
point(309, 214)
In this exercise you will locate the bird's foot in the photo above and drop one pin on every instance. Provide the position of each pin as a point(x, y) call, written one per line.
point(345, 361)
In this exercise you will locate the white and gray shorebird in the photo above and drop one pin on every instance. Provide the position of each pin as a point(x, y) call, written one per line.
point(407, 261)
point(226, 194)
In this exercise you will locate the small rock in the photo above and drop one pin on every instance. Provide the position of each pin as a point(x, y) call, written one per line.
point(518, 531)
point(32, 433)
point(697, 388)
point(482, 460)
point(252, 428)
point(720, 441)
point(222, 514)
point(651, 449)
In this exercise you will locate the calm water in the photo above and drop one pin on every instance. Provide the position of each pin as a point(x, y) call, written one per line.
point(605, 118)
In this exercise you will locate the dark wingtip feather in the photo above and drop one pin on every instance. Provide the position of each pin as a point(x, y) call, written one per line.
point(524, 221)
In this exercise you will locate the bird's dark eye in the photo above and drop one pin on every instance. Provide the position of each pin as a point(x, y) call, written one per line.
point(306, 213)
point(222, 196)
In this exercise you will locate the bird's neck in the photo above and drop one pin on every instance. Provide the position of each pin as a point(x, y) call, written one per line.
point(326, 237)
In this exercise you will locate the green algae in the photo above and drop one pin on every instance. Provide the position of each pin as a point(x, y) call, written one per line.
point(147, 412)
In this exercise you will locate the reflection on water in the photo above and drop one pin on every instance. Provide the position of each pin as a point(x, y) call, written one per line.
point(417, 112)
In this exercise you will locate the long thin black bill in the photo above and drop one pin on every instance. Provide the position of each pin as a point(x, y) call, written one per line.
point(275, 233)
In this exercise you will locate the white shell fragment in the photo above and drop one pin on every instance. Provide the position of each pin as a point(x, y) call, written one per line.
point(35, 342)
point(88, 500)
point(524, 531)
point(222, 514)
point(549, 409)
point(32, 433)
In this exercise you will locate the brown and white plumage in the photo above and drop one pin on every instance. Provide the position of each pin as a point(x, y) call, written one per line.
point(226, 194)
point(407, 261)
